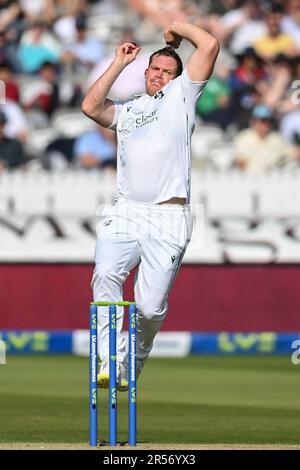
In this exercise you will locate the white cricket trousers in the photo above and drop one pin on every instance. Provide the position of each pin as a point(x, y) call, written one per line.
point(152, 238)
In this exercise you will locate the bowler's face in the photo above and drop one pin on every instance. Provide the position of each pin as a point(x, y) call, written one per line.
point(160, 72)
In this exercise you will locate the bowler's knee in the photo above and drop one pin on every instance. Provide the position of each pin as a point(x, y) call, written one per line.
point(104, 276)
point(152, 311)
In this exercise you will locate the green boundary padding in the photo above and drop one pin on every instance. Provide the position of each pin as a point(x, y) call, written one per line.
point(119, 304)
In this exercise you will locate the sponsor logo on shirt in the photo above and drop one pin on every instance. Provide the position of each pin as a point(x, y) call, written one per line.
point(129, 124)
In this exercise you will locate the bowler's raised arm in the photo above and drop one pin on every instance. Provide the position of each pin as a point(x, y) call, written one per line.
point(201, 62)
point(95, 104)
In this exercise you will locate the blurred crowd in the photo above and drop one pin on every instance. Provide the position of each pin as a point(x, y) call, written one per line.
point(52, 50)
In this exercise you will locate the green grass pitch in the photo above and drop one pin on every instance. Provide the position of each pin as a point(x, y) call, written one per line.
point(195, 400)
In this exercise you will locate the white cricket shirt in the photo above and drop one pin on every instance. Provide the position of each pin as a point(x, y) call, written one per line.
point(154, 142)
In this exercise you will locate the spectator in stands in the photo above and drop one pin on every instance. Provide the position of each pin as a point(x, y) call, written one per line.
point(250, 69)
point(12, 25)
point(289, 107)
point(79, 58)
point(212, 13)
point(259, 147)
point(291, 21)
point(275, 41)
point(220, 7)
point(36, 47)
point(240, 27)
point(65, 26)
point(44, 92)
point(11, 150)
point(39, 10)
point(96, 149)
point(16, 126)
point(131, 81)
point(9, 14)
point(85, 51)
point(65, 29)
point(4, 57)
point(292, 100)
point(280, 77)
point(296, 144)
point(160, 12)
point(245, 82)
point(58, 154)
point(290, 125)
point(8, 52)
point(215, 104)
point(11, 86)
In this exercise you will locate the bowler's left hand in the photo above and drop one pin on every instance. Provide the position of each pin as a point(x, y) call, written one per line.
point(172, 39)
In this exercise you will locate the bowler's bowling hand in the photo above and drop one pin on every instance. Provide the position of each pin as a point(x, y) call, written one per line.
point(127, 52)
point(172, 39)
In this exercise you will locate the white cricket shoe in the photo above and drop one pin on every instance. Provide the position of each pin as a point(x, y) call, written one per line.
point(122, 382)
point(103, 376)
point(122, 376)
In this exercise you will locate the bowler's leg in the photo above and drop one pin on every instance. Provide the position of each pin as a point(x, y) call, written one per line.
point(155, 277)
point(114, 260)
point(161, 257)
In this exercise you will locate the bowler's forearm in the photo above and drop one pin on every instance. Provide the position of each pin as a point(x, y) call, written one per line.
point(97, 93)
point(200, 38)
